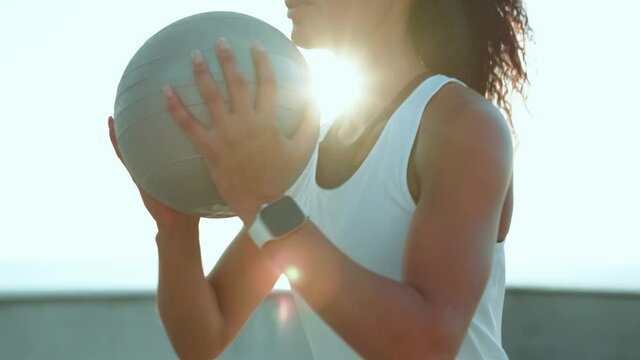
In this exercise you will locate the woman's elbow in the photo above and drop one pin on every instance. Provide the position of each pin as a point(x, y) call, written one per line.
point(441, 342)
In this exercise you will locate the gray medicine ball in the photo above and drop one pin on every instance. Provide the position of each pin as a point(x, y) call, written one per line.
point(160, 158)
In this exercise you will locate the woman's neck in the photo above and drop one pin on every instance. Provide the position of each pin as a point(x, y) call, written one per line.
point(388, 62)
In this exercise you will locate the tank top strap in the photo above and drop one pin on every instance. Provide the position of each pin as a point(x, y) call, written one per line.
point(325, 126)
point(416, 104)
point(403, 129)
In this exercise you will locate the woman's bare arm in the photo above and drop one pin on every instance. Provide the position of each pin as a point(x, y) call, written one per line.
point(202, 315)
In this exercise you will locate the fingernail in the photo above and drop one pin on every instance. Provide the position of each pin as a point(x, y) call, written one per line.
point(196, 56)
point(222, 43)
point(168, 91)
point(258, 46)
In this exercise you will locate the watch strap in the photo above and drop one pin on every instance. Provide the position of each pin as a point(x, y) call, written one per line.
point(259, 232)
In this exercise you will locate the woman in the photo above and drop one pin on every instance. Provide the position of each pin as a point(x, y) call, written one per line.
point(409, 195)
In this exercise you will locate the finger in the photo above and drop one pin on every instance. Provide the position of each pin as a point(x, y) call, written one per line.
point(307, 133)
point(112, 137)
point(236, 83)
point(191, 126)
point(114, 142)
point(266, 94)
point(208, 89)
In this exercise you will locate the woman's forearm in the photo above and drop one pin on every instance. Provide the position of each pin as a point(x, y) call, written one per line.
point(186, 301)
point(379, 317)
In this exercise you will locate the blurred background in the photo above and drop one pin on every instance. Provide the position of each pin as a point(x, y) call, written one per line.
point(78, 261)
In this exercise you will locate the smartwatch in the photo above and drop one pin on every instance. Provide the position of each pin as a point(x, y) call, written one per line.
point(276, 220)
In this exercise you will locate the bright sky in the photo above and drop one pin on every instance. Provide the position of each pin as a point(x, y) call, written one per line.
point(70, 218)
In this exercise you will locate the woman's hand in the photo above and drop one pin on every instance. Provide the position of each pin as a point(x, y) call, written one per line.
point(169, 221)
point(249, 160)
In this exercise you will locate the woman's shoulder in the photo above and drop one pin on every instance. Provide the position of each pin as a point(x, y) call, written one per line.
point(457, 108)
point(460, 123)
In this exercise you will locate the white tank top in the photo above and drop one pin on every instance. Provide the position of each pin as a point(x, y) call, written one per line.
point(368, 218)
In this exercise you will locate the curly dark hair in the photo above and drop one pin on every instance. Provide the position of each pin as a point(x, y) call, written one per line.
point(480, 42)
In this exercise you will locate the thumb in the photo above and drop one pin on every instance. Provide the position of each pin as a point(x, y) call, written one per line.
point(308, 131)
point(112, 137)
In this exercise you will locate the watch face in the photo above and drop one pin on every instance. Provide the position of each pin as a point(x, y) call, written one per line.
point(282, 216)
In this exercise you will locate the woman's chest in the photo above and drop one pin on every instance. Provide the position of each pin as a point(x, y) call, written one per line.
point(338, 163)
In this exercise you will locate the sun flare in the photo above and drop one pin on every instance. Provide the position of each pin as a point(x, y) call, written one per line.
point(337, 83)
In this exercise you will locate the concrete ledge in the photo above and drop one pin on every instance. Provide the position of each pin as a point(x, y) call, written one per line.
point(537, 324)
